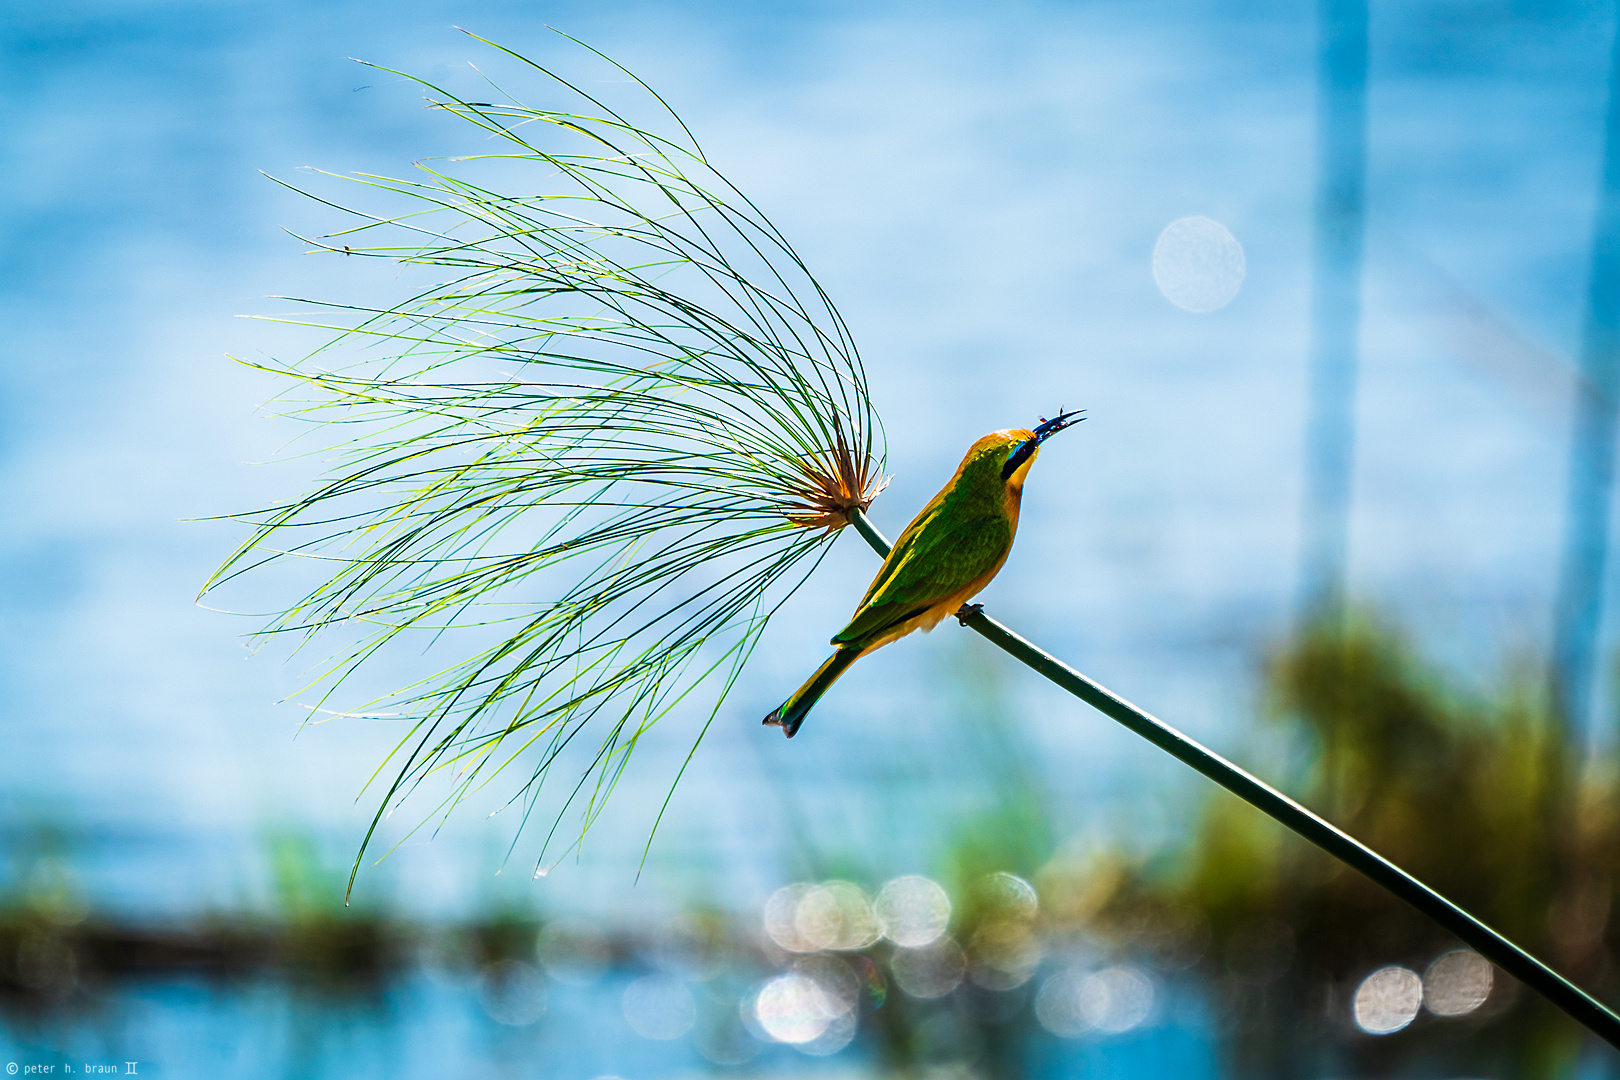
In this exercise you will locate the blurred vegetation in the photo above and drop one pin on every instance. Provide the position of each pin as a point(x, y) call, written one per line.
point(1476, 793)
point(316, 938)
point(1235, 927)
point(58, 951)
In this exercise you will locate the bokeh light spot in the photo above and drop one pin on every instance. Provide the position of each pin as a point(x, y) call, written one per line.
point(1009, 895)
point(931, 970)
point(839, 1033)
point(835, 915)
point(1387, 1000)
point(1457, 982)
point(1112, 1001)
point(839, 985)
point(1057, 1004)
point(1116, 999)
point(912, 911)
point(512, 993)
point(1198, 264)
point(1004, 954)
point(793, 1009)
point(659, 1007)
point(782, 917)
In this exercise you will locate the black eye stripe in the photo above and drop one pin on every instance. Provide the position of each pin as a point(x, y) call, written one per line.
point(1017, 458)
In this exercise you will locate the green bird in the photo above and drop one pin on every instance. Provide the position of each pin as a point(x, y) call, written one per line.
point(945, 556)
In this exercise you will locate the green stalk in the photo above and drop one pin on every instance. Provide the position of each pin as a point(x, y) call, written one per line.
point(1581, 1006)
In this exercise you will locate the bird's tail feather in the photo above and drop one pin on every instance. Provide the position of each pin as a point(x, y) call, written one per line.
point(790, 714)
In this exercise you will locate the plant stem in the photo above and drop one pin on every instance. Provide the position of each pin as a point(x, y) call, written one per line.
point(1581, 1006)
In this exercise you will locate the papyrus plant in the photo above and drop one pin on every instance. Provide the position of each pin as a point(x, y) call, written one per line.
point(599, 448)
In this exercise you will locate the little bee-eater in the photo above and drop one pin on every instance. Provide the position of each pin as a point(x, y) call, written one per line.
point(945, 556)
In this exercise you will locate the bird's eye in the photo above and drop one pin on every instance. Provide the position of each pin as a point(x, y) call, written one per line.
point(1019, 455)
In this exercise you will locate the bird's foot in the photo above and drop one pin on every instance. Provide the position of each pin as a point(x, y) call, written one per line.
point(967, 611)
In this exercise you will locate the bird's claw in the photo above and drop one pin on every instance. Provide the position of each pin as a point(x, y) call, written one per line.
point(967, 611)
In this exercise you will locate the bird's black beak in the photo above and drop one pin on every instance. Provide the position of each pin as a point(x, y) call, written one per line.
point(1047, 428)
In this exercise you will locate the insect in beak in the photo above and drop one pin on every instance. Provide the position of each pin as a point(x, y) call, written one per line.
point(1047, 428)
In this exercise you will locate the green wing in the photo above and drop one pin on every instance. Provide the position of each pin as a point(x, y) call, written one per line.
point(937, 555)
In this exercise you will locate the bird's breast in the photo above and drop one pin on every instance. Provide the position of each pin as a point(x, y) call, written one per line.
point(1014, 499)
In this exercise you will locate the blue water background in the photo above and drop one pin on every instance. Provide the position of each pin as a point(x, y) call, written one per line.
point(980, 191)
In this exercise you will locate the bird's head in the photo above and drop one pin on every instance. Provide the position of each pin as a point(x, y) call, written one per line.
point(1015, 449)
